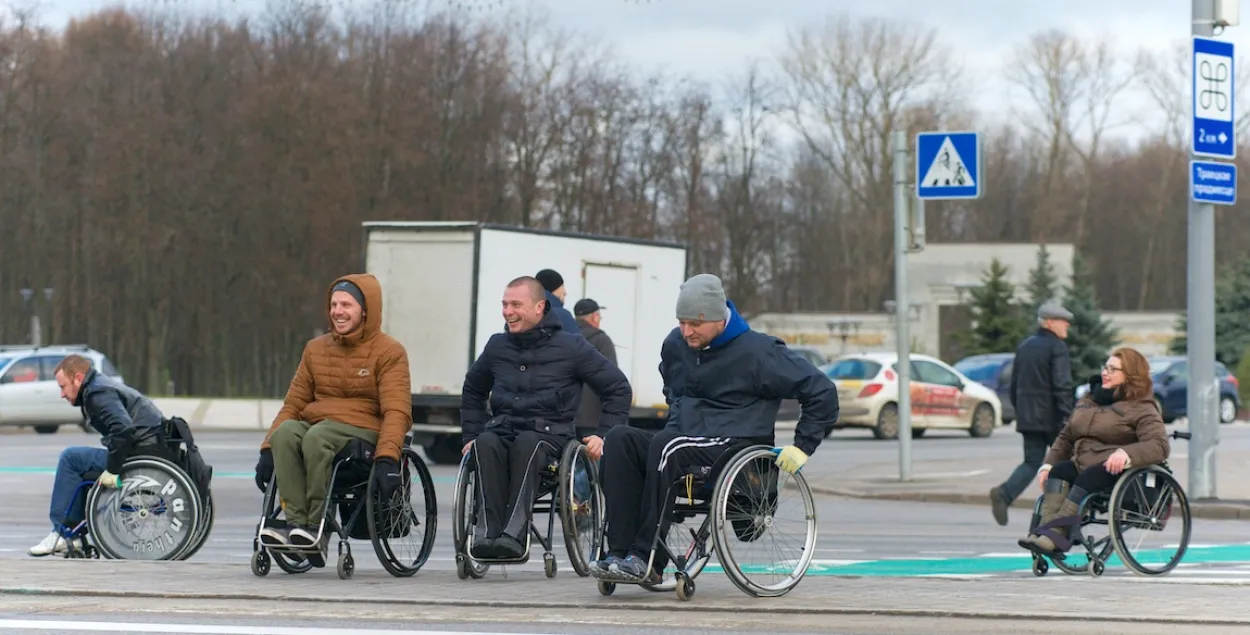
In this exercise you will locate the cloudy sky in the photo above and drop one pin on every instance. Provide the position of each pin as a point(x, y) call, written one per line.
point(710, 39)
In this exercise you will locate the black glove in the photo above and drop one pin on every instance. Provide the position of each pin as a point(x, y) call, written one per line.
point(264, 469)
point(386, 478)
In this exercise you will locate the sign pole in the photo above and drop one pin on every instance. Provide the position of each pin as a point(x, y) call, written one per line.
point(901, 304)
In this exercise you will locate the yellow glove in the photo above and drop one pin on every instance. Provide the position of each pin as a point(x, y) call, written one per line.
point(791, 459)
point(109, 479)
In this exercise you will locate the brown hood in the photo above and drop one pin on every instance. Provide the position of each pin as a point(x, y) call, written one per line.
point(373, 308)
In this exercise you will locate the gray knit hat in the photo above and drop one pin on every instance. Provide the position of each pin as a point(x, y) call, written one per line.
point(702, 297)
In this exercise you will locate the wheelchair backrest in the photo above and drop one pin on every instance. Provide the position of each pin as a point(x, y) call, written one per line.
point(178, 433)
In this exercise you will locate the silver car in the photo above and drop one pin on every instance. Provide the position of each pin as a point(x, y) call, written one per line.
point(29, 395)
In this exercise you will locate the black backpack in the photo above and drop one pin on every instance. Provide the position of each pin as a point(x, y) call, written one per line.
point(178, 431)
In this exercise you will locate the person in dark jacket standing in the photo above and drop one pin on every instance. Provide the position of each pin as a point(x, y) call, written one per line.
point(553, 284)
point(128, 422)
point(588, 320)
point(724, 383)
point(1041, 390)
point(533, 374)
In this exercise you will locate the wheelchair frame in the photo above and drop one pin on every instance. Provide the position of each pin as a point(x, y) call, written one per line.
point(1104, 503)
point(93, 548)
point(292, 558)
point(551, 499)
point(711, 499)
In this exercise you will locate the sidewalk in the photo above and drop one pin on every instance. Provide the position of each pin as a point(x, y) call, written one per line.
point(1121, 600)
point(968, 482)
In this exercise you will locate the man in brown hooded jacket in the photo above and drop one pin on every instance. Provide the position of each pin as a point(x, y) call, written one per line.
point(351, 383)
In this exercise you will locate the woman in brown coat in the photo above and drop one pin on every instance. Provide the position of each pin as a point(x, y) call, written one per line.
point(1115, 427)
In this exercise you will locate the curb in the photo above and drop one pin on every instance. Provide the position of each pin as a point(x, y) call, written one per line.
point(1210, 510)
point(655, 606)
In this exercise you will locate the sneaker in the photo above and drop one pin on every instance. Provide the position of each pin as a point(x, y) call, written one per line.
point(306, 537)
point(275, 533)
point(604, 565)
point(52, 543)
point(634, 569)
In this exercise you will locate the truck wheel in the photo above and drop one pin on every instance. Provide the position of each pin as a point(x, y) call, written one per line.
point(47, 429)
point(444, 451)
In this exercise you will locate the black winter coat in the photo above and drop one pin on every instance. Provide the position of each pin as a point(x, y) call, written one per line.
point(734, 387)
point(125, 417)
point(534, 382)
point(1041, 384)
point(588, 413)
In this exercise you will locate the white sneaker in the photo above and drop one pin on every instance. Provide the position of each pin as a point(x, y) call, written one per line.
point(52, 543)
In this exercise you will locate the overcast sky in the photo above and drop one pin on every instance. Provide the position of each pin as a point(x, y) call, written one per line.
point(710, 39)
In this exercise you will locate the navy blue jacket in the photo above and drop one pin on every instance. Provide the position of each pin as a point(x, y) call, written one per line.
point(567, 322)
point(534, 382)
point(734, 387)
point(126, 419)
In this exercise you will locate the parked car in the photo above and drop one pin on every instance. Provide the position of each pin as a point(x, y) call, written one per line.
point(941, 397)
point(1170, 374)
point(29, 395)
point(992, 370)
point(811, 354)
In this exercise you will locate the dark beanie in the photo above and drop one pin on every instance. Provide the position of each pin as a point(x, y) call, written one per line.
point(550, 279)
point(351, 288)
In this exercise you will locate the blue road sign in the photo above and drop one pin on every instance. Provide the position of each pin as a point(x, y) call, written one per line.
point(1211, 182)
point(948, 165)
point(1213, 105)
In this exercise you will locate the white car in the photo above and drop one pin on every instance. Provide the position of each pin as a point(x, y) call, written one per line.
point(941, 397)
point(29, 395)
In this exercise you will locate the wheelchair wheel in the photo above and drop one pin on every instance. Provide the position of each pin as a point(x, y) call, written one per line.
point(1148, 505)
point(402, 530)
point(749, 507)
point(206, 527)
point(155, 515)
point(581, 507)
point(464, 515)
point(285, 561)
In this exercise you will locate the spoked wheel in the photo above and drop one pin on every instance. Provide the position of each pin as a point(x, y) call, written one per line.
point(1149, 519)
point(463, 517)
point(756, 510)
point(402, 529)
point(581, 507)
point(153, 516)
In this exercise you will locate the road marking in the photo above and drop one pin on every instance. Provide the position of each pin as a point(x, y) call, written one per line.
point(230, 475)
point(147, 627)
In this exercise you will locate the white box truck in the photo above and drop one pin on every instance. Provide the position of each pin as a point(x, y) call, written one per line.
point(442, 284)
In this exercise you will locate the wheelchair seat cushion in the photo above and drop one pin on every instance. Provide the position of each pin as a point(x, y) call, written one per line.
point(356, 450)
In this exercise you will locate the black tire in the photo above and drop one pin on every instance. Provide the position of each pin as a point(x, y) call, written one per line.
point(47, 429)
point(96, 510)
point(206, 527)
point(1125, 487)
point(428, 526)
point(1228, 410)
point(887, 422)
point(579, 556)
point(462, 520)
point(982, 424)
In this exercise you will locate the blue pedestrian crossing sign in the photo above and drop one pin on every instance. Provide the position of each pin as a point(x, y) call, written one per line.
point(948, 165)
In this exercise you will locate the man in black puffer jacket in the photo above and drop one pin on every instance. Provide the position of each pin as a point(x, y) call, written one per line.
point(724, 384)
point(533, 374)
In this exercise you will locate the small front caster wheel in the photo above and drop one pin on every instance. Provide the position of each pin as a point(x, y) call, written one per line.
point(606, 588)
point(685, 588)
point(260, 564)
point(1040, 566)
point(549, 565)
point(346, 566)
point(1096, 567)
point(462, 567)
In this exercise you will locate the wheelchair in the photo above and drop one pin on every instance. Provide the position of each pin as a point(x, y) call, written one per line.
point(160, 512)
point(353, 509)
point(569, 488)
point(739, 497)
point(1145, 499)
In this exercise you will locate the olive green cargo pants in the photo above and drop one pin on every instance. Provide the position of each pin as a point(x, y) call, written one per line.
point(303, 456)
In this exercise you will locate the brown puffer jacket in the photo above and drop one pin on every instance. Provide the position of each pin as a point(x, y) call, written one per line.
point(1095, 432)
point(360, 378)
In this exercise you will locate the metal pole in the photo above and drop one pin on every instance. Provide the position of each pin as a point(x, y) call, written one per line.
point(902, 307)
point(1202, 397)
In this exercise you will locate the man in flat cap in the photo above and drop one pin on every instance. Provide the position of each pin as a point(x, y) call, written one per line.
point(1041, 390)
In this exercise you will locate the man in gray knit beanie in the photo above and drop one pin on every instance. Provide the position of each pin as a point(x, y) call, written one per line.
point(702, 299)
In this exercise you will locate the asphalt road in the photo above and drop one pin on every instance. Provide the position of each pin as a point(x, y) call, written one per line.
point(933, 538)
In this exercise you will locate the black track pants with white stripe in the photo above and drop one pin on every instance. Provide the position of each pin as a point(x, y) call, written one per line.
point(509, 469)
point(638, 469)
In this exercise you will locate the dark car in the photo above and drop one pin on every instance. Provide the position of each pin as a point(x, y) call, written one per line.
point(1170, 374)
point(993, 371)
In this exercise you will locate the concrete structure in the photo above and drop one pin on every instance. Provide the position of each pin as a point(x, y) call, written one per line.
point(940, 279)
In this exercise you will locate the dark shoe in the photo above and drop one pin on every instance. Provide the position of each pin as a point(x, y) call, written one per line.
point(1045, 543)
point(275, 533)
point(600, 567)
point(306, 538)
point(633, 569)
point(509, 548)
point(483, 549)
point(999, 503)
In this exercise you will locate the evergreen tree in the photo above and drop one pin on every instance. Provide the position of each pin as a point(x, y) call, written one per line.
point(1232, 304)
point(1090, 338)
point(1042, 287)
point(996, 324)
